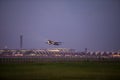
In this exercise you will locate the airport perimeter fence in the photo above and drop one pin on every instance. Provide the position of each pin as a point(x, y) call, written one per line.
point(39, 59)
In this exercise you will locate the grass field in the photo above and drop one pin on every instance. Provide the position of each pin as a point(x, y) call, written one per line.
point(61, 71)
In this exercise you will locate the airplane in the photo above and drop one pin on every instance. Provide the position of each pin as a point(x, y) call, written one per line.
point(50, 42)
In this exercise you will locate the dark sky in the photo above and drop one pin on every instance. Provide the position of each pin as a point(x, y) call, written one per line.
point(79, 24)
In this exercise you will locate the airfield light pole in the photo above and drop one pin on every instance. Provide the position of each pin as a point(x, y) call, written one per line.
point(21, 41)
point(86, 50)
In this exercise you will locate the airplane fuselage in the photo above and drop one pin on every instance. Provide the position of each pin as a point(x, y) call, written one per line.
point(50, 42)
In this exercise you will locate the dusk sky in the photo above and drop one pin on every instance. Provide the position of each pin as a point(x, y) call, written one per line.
point(79, 24)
